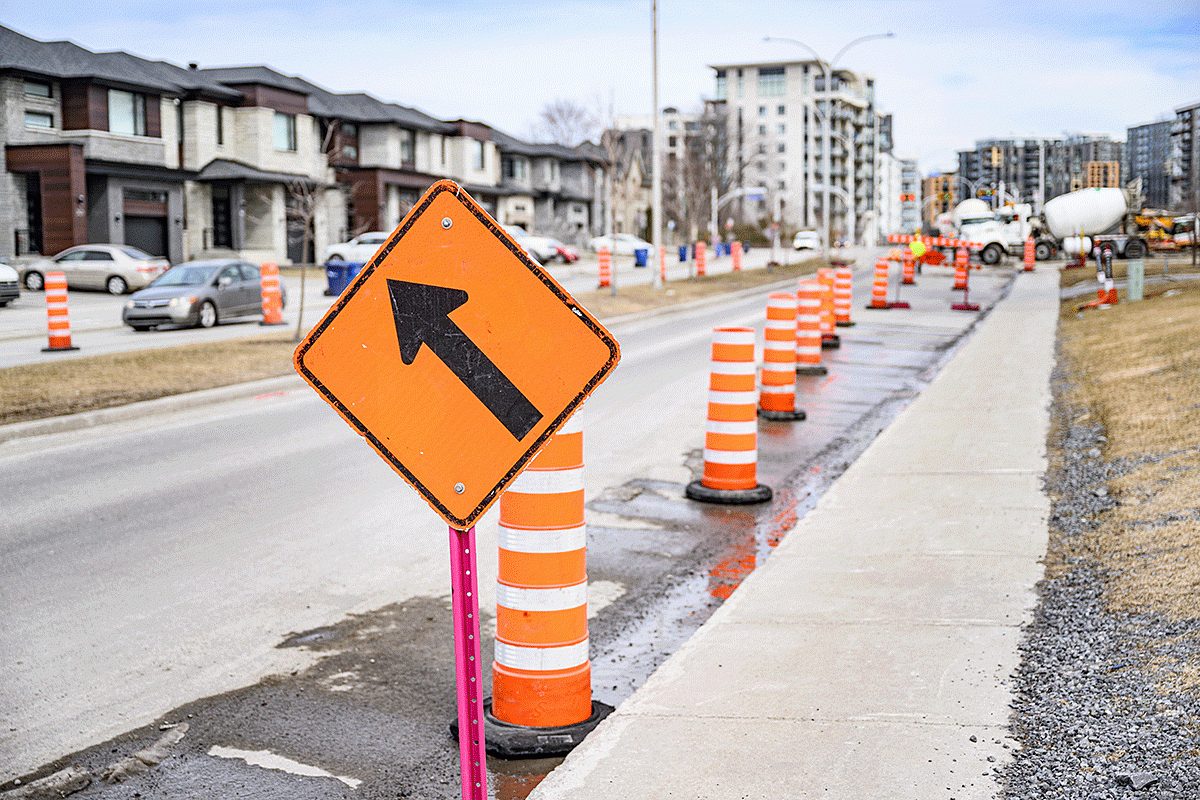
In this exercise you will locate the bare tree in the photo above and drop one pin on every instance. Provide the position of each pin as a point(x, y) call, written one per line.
point(304, 197)
point(565, 122)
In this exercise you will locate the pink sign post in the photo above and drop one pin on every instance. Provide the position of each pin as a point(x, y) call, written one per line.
point(464, 586)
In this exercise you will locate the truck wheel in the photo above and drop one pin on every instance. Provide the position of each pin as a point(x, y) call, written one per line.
point(1135, 249)
point(1042, 251)
point(991, 254)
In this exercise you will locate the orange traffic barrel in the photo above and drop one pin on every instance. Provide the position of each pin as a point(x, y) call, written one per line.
point(605, 260)
point(58, 320)
point(777, 397)
point(808, 328)
point(960, 269)
point(701, 263)
point(731, 433)
point(910, 268)
point(272, 295)
point(1029, 254)
point(843, 294)
point(736, 249)
point(662, 263)
point(879, 286)
point(828, 337)
point(541, 675)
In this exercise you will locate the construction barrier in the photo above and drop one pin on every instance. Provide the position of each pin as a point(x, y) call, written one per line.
point(605, 260)
point(662, 263)
point(701, 261)
point(58, 320)
point(828, 337)
point(731, 433)
point(879, 286)
point(1029, 254)
point(961, 265)
point(777, 398)
point(966, 304)
point(910, 268)
point(843, 294)
point(541, 677)
point(808, 329)
point(737, 256)
point(272, 295)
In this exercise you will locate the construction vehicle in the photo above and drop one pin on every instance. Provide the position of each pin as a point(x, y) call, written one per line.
point(1090, 218)
point(1002, 232)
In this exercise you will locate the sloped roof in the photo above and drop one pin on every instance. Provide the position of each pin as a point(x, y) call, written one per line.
point(511, 144)
point(67, 60)
point(223, 169)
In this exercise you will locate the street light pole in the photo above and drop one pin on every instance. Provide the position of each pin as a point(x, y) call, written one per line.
point(656, 159)
point(827, 120)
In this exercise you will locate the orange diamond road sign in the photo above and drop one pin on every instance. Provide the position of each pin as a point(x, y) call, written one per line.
point(455, 356)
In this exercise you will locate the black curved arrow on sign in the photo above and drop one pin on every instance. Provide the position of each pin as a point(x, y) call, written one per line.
point(422, 315)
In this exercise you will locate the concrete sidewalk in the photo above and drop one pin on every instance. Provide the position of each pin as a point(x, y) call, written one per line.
point(875, 644)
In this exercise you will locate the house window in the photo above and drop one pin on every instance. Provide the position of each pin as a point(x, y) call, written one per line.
point(513, 168)
point(285, 131)
point(576, 208)
point(721, 84)
point(782, 128)
point(781, 110)
point(762, 111)
point(479, 155)
point(126, 113)
point(350, 140)
point(38, 119)
point(37, 89)
point(672, 141)
point(762, 130)
point(672, 125)
point(780, 148)
point(762, 148)
point(771, 82)
point(220, 126)
point(408, 146)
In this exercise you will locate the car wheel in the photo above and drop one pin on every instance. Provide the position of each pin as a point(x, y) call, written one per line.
point(34, 281)
point(991, 254)
point(116, 285)
point(207, 316)
point(1042, 251)
point(334, 257)
point(1135, 249)
point(141, 328)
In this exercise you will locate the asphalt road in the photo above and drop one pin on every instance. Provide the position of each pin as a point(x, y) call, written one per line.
point(255, 569)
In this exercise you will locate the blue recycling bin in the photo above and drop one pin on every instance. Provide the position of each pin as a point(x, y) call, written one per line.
point(339, 275)
point(682, 253)
point(639, 256)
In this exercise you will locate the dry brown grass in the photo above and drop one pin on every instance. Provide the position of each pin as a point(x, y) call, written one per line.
point(1155, 265)
point(1137, 366)
point(85, 384)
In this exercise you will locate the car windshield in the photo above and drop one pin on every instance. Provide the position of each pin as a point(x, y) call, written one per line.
point(187, 276)
point(372, 239)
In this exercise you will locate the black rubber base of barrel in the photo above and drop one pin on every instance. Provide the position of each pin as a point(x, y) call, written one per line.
point(811, 370)
point(696, 490)
point(506, 740)
point(782, 416)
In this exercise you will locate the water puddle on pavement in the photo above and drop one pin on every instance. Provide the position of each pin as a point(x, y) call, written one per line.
point(268, 760)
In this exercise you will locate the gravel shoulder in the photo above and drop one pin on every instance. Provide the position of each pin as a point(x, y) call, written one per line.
point(1107, 698)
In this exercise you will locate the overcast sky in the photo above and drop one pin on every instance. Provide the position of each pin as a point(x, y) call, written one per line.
point(954, 72)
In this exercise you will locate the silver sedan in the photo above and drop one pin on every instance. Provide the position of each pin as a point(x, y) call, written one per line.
point(115, 268)
point(197, 293)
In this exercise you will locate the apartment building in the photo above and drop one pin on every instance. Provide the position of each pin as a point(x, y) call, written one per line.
point(939, 196)
point(1148, 156)
point(776, 115)
point(1185, 159)
point(190, 162)
point(1034, 170)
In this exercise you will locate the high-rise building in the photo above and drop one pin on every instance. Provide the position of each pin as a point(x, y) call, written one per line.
point(1148, 156)
point(1033, 170)
point(939, 195)
point(777, 137)
point(1185, 159)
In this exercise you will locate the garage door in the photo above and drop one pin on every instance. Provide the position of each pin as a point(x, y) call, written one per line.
point(147, 233)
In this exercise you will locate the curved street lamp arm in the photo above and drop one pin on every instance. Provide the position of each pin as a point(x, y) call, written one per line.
point(842, 52)
point(823, 64)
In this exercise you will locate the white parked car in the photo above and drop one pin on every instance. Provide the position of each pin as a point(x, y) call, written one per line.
point(542, 248)
point(623, 245)
point(115, 268)
point(359, 250)
point(9, 288)
point(806, 240)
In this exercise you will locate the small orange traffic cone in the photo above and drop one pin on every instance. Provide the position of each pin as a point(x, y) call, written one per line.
point(701, 260)
point(58, 320)
point(731, 433)
point(272, 295)
point(605, 260)
point(777, 398)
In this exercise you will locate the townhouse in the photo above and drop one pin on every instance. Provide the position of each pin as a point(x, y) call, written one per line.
point(188, 162)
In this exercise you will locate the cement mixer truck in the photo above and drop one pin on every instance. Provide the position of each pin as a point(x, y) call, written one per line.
point(1091, 217)
point(1001, 232)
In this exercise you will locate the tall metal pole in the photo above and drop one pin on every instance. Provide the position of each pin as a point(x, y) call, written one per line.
point(656, 156)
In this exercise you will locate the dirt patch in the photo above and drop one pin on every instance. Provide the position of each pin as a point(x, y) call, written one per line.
point(85, 384)
point(1135, 368)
